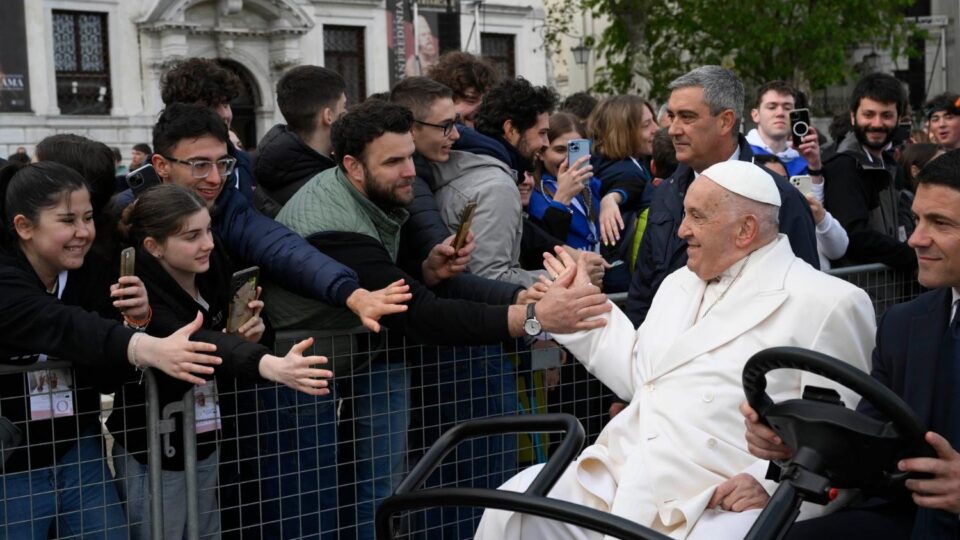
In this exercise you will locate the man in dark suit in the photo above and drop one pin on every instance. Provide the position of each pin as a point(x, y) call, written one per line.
point(916, 355)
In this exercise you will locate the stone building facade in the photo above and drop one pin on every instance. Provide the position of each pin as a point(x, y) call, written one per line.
point(93, 67)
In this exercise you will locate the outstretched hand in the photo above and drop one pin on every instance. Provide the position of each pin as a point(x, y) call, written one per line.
point(572, 303)
point(298, 371)
point(611, 221)
point(176, 355)
point(371, 306)
point(585, 265)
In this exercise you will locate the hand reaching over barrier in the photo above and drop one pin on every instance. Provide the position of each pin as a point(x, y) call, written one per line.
point(370, 306)
point(297, 371)
point(175, 354)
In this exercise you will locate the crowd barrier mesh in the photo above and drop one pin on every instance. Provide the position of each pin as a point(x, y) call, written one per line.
point(267, 462)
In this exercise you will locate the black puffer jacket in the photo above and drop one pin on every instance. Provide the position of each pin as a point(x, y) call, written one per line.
point(283, 165)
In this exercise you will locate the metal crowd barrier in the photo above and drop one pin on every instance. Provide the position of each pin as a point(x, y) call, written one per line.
point(295, 466)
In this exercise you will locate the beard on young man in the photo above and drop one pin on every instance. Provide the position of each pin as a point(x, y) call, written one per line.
point(386, 195)
point(862, 134)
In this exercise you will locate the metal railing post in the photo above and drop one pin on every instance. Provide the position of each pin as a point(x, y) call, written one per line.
point(154, 457)
point(190, 464)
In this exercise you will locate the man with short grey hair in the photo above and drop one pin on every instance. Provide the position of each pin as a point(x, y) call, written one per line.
point(704, 109)
point(671, 460)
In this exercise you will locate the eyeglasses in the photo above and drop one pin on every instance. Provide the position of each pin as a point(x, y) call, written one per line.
point(447, 126)
point(201, 168)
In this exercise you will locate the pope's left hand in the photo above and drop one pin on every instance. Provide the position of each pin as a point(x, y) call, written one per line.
point(740, 493)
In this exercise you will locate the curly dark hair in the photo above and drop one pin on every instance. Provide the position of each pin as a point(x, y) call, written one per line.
point(199, 80)
point(516, 100)
point(356, 129)
point(463, 73)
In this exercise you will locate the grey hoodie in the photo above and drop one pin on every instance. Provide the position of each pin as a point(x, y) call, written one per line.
point(498, 220)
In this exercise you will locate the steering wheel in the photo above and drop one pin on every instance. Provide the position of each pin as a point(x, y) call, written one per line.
point(857, 450)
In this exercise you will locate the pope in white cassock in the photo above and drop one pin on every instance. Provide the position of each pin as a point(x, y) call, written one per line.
point(676, 459)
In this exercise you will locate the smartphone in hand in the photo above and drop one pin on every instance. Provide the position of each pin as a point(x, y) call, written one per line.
point(243, 290)
point(799, 125)
point(466, 218)
point(143, 179)
point(127, 258)
point(576, 149)
point(803, 182)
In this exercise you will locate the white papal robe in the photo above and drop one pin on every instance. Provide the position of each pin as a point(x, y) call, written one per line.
point(658, 461)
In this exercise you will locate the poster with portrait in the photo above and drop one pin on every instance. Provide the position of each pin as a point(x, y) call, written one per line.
point(416, 47)
point(14, 80)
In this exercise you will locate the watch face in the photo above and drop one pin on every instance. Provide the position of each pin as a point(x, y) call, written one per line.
point(531, 327)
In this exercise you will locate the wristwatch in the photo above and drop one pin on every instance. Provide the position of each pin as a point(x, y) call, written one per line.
point(531, 326)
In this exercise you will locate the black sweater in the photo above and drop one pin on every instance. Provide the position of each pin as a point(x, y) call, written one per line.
point(81, 327)
point(284, 163)
point(172, 309)
point(429, 319)
point(851, 194)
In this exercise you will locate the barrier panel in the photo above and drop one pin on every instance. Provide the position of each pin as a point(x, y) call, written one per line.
point(264, 461)
point(55, 479)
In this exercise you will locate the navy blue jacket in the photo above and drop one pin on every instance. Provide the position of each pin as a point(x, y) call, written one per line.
point(910, 333)
point(283, 165)
point(662, 251)
point(475, 142)
point(625, 176)
point(242, 177)
point(251, 238)
point(905, 361)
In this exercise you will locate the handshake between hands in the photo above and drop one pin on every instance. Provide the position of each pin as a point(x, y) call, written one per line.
point(570, 300)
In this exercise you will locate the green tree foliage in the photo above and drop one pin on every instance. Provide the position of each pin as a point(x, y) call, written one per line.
point(805, 42)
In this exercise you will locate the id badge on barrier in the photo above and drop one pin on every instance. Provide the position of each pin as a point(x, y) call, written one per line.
point(51, 393)
point(206, 407)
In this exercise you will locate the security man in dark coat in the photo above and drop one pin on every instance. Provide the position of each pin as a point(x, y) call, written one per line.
point(705, 106)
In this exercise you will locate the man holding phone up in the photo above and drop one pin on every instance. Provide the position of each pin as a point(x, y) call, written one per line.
point(774, 132)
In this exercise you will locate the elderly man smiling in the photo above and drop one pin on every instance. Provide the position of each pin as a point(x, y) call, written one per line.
point(675, 458)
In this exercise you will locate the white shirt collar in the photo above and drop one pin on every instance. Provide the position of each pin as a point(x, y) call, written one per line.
point(733, 157)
